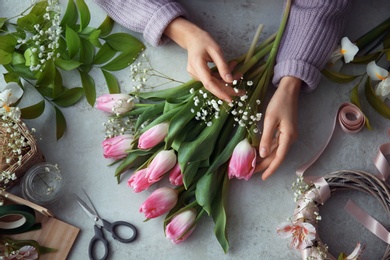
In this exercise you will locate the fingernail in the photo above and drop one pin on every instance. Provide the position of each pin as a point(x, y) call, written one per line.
point(229, 77)
point(263, 152)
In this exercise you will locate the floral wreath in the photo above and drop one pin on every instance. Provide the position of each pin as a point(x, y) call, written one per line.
point(310, 195)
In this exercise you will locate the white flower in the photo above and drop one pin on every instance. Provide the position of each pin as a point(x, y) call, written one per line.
point(377, 73)
point(348, 50)
point(11, 94)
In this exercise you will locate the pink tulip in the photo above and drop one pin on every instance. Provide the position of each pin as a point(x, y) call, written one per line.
point(181, 226)
point(115, 103)
point(153, 136)
point(159, 202)
point(116, 147)
point(164, 161)
point(138, 181)
point(243, 161)
point(175, 176)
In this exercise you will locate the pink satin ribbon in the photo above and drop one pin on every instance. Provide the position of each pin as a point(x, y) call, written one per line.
point(351, 120)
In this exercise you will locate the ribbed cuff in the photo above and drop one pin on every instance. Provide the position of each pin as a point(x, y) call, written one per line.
point(308, 73)
point(160, 20)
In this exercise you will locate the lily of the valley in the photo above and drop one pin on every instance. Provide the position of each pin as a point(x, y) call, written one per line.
point(347, 49)
point(159, 202)
point(115, 103)
point(164, 161)
point(117, 147)
point(181, 226)
point(153, 136)
point(378, 73)
point(302, 233)
point(243, 161)
point(11, 93)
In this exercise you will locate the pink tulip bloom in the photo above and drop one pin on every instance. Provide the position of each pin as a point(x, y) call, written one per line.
point(175, 176)
point(159, 202)
point(138, 181)
point(164, 161)
point(116, 147)
point(243, 161)
point(181, 226)
point(115, 103)
point(153, 136)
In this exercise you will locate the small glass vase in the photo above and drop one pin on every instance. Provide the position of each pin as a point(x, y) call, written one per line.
point(43, 184)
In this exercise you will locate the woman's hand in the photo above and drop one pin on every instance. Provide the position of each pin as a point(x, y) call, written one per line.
point(280, 126)
point(202, 49)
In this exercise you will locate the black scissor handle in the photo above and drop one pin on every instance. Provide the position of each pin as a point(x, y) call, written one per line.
point(99, 237)
point(112, 227)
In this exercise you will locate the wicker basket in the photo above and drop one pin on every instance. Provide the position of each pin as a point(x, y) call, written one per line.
point(30, 154)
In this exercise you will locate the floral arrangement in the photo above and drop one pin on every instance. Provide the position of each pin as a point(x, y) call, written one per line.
point(196, 140)
point(309, 196)
point(370, 49)
point(39, 47)
point(17, 147)
point(22, 249)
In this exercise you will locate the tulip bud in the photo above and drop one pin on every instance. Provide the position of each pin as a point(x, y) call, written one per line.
point(116, 147)
point(153, 136)
point(138, 181)
point(243, 161)
point(163, 162)
point(181, 226)
point(159, 202)
point(175, 176)
point(115, 103)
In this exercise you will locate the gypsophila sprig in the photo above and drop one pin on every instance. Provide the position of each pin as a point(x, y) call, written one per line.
point(142, 72)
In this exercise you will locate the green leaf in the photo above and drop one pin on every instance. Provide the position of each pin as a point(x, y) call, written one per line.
point(47, 75)
point(104, 54)
point(85, 16)
point(375, 33)
point(67, 64)
point(24, 71)
point(2, 22)
point(33, 111)
point(72, 41)
point(125, 42)
point(17, 58)
point(71, 16)
point(123, 60)
point(338, 77)
point(27, 22)
point(89, 87)
point(149, 114)
point(218, 214)
point(106, 26)
point(69, 97)
point(60, 123)
point(376, 102)
point(366, 58)
point(39, 9)
point(5, 57)
point(7, 43)
point(94, 38)
point(30, 58)
point(11, 77)
point(112, 83)
point(190, 172)
point(57, 86)
point(87, 52)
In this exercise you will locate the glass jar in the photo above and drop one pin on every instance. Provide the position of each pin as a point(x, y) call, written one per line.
point(42, 184)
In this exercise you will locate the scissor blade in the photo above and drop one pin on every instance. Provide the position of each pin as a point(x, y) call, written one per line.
point(91, 213)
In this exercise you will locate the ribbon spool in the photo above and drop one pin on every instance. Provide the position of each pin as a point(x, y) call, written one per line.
point(24, 215)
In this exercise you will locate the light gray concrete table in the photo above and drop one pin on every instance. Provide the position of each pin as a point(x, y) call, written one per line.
point(256, 208)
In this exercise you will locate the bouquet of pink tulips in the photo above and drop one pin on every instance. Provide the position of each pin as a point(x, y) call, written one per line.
point(196, 140)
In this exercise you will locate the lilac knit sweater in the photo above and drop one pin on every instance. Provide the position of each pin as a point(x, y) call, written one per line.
point(313, 30)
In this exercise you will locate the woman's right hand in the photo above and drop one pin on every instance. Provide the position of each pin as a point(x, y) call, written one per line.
point(202, 49)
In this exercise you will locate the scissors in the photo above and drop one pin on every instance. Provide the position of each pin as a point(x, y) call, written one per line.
point(101, 223)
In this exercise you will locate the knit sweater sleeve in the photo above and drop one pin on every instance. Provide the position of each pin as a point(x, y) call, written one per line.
point(312, 33)
point(149, 17)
